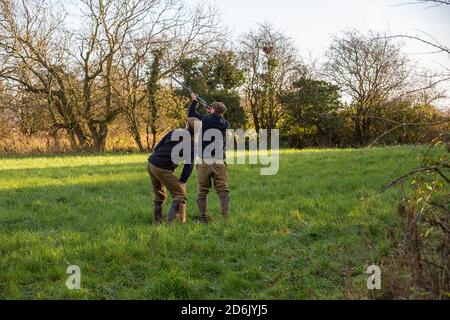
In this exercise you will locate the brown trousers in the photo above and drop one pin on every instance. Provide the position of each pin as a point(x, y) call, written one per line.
point(162, 179)
point(216, 172)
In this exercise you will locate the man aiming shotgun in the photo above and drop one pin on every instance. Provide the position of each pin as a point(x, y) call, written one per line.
point(215, 170)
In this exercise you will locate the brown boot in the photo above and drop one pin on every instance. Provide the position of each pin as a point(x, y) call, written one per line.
point(157, 212)
point(202, 209)
point(225, 205)
point(173, 212)
point(181, 213)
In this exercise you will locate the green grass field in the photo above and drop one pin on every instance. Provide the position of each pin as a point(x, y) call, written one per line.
point(302, 234)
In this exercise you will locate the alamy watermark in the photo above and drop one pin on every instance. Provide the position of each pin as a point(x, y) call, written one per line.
point(209, 147)
point(374, 280)
point(74, 281)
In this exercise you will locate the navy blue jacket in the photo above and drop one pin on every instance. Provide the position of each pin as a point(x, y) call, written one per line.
point(210, 121)
point(161, 157)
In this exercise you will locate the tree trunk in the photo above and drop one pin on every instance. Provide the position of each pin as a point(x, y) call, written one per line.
point(134, 130)
point(72, 140)
point(153, 139)
point(138, 140)
point(366, 130)
point(358, 132)
point(148, 137)
point(82, 140)
point(99, 133)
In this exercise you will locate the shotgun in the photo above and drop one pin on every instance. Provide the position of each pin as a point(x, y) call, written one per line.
point(200, 99)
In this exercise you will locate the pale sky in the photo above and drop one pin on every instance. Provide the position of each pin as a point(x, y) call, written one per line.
point(311, 24)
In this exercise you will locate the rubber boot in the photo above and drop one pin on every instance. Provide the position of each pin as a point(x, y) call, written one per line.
point(181, 213)
point(173, 212)
point(225, 205)
point(202, 209)
point(157, 212)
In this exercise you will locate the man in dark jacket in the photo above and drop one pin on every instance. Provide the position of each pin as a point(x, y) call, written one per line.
point(215, 170)
point(161, 167)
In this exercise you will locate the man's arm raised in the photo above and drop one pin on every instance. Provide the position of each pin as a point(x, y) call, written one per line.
point(192, 112)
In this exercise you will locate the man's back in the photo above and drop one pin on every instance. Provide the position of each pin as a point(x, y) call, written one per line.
point(162, 156)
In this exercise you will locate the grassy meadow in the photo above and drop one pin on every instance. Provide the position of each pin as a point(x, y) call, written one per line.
point(305, 233)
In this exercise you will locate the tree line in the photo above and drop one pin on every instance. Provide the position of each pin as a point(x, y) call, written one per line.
point(84, 77)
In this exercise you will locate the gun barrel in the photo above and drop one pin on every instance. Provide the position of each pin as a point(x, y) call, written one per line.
point(200, 99)
point(181, 84)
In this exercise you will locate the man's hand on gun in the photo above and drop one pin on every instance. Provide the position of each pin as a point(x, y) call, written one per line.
point(194, 97)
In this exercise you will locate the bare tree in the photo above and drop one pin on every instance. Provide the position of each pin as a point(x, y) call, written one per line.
point(194, 32)
point(94, 73)
point(110, 25)
point(33, 49)
point(425, 88)
point(174, 34)
point(270, 61)
point(130, 88)
point(133, 59)
point(370, 69)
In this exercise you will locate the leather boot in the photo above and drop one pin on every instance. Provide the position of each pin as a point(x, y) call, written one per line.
point(157, 212)
point(181, 213)
point(225, 205)
point(173, 212)
point(202, 209)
